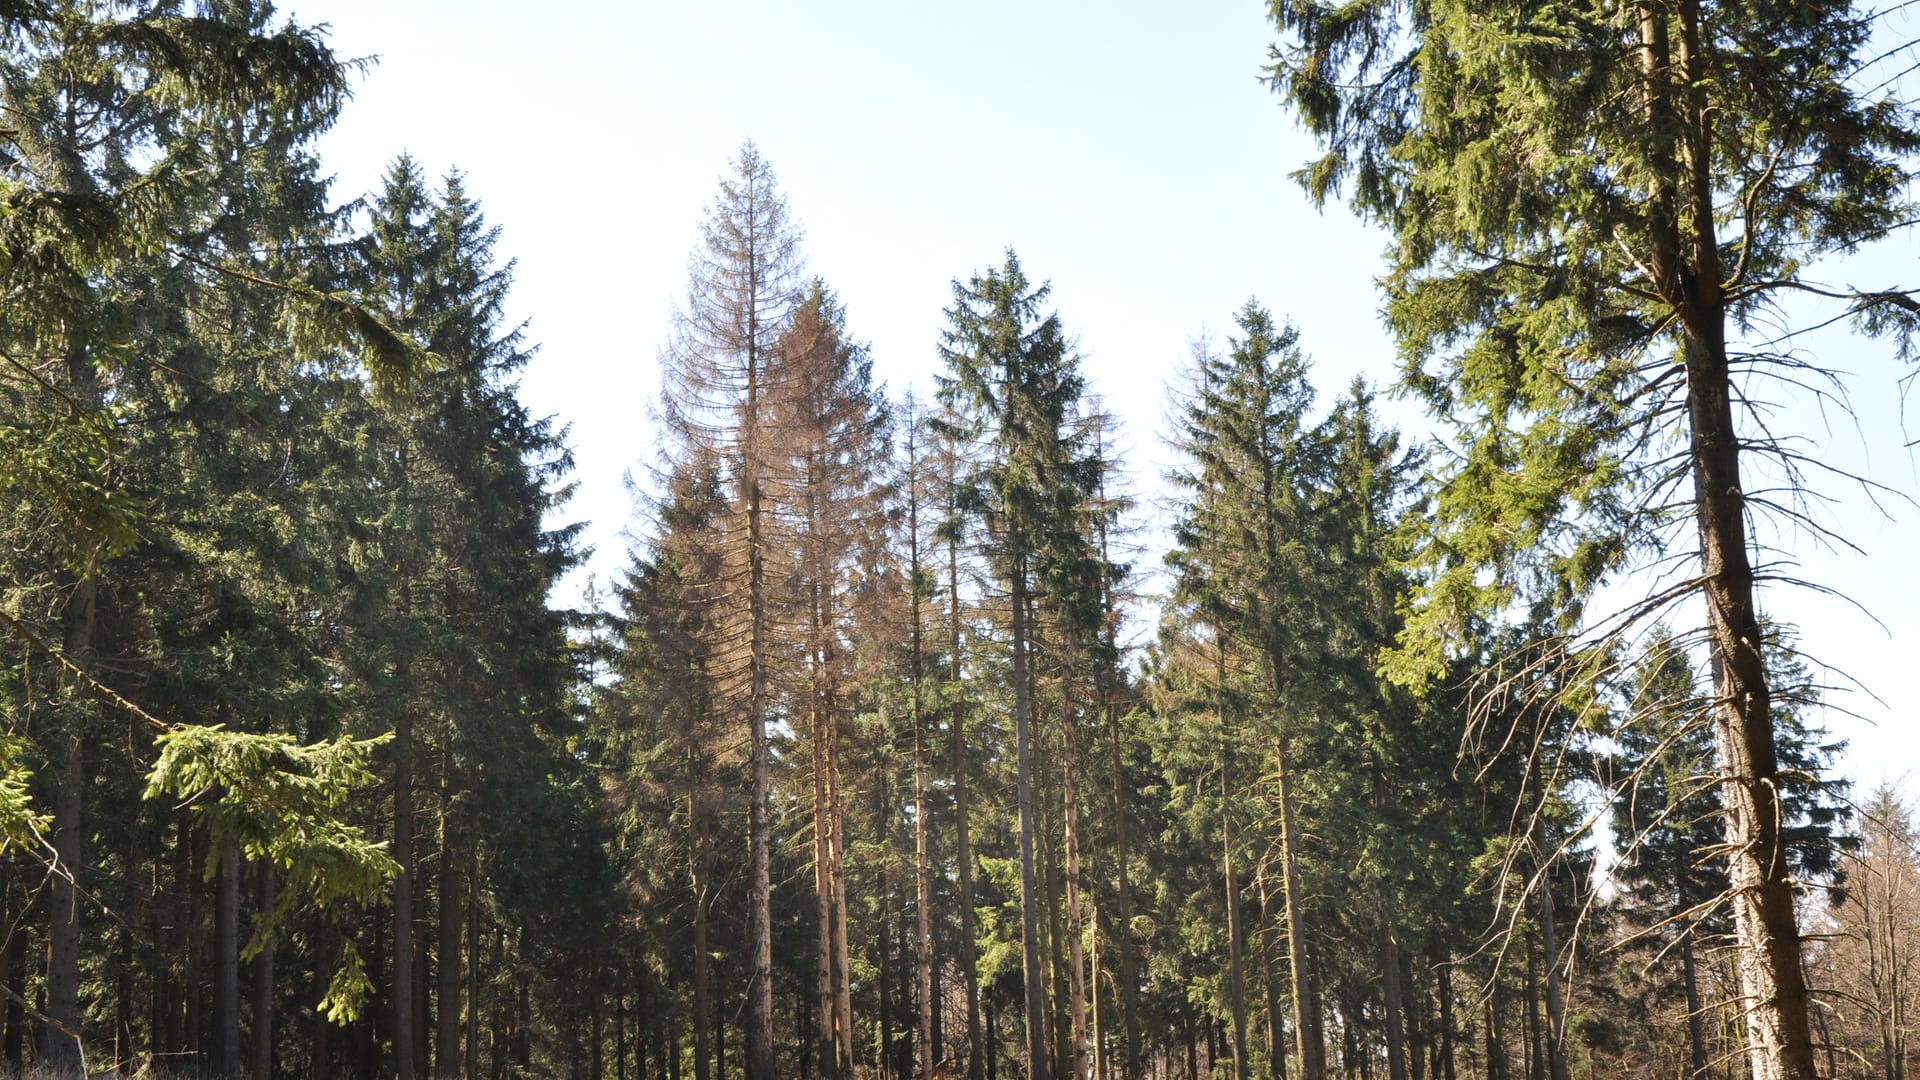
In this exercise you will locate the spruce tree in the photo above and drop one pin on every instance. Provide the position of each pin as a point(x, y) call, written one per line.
point(722, 380)
point(1588, 202)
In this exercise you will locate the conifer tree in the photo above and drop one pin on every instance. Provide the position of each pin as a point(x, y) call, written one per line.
point(1015, 386)
point(721, 382)
point(1588, 202)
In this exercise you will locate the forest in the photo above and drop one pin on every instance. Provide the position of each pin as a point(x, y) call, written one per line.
point(903, 748)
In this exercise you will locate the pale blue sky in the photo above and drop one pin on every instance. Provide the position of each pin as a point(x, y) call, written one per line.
point(1127, 150)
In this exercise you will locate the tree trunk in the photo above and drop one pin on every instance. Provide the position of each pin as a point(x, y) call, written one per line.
point(962, 837)
point(449, 973)
point(1396, 1007)
point(1696, 1022)
point(1556, 1033)
point(263, 985)
point(926, 1053)
point(226, 965)
point(403, 986)
point(60, 1029)
point(1039, 1064)
point(1076, 919)
point(1123, 898)
point(1309, 1042)
point(60, 1048)
point(828, 1033)
point(702, 979)
point(759, 1041)
point(1236, 971)
point(1686, 269)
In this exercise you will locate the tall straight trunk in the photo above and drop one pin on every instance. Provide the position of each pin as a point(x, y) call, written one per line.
point(13, 965)
point(926, 1050)
point(449, 972)
point(60, 1027)
point(1535, 1030)
point(403, 1006)
point(759, 1041)
point(1123, 902)
point(1696, 1023)
point(473, 965)
point(702, 978)
point(123, 989)
point(1556, 1033)
point(596, 1030)
point(925, 1053)
point(1396, 1005)
point(828, 1034)
point(1236, 961)
point(263, 984)
point(1686, 269)
point(1270, 978)
point(1445, 1069)
point(1076, 918)
point(226, 965)
point(620, 1024)
point(1039, 1063)
point(962, 837)
point(1102, 1059)
point(1310, 1044)
point(1498, 1065)
point(59, 1046)
point(842, 950)
point(1054, 936)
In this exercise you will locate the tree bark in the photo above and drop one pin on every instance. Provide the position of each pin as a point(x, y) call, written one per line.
point(1310, 1044)
point(702, 979)
point(403, 1004)
point(963, 840)
point(1076, 918)
point(263, 985)
point(60, 1030)
point(1556, 1033)
point(1396, 1007)
point(1236, 971)
point(1039, 1063)
point(226, 965)
point(449, 972)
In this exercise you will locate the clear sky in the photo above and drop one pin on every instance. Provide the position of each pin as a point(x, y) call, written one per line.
point(1127, 150)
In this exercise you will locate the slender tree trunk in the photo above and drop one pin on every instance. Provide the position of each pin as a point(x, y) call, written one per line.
point(1102, 1059)
point(60, 1048)
point(1039, 1063)
point(1123, 899)
point(759, 1048)
point(226, 965)
point(830, 1062)
point(60, 1030)
point(13, 968)
point(1270, 982)
point(1396, 1006)
point(963, 841)
point(842, 952)
point(702, 980)
point(922, 857)
point(473, 965)
point(1310, 1043)
point(403, 984)
point(1076, 919)
point(449, 974)
point(263, 984)
point(1696, 1022)
point(1236, 962)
